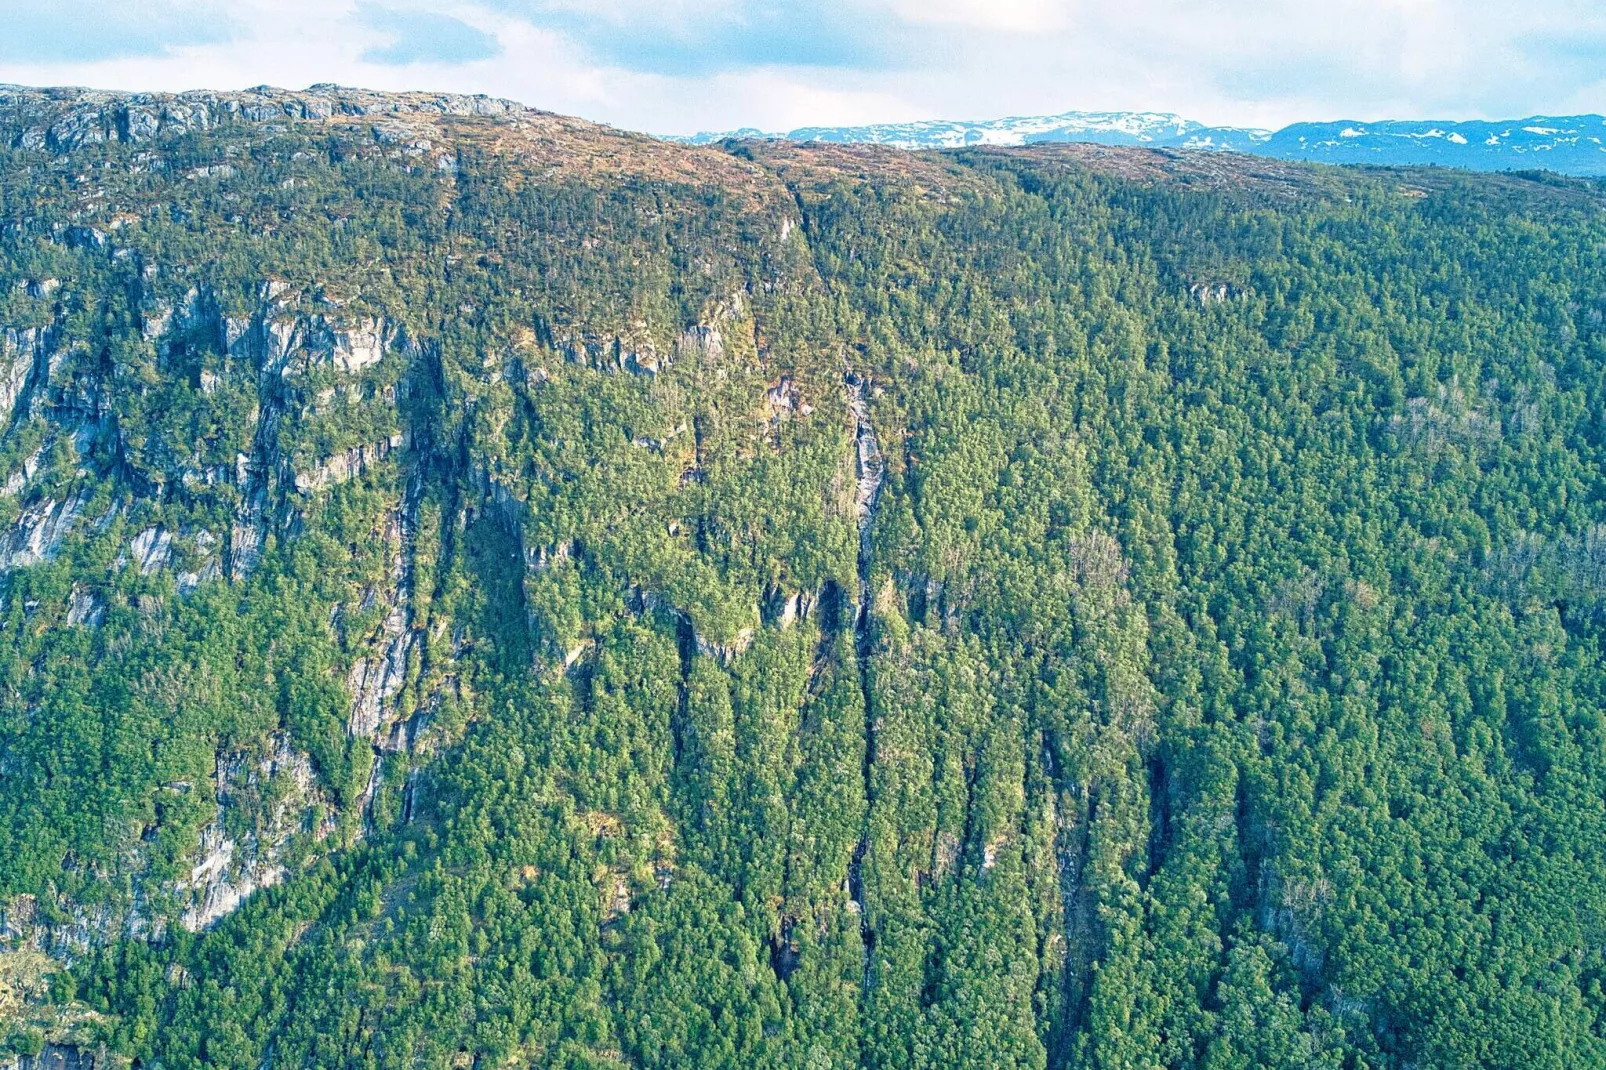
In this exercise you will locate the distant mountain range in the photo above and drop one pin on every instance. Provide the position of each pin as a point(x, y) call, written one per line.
point(1573, 145)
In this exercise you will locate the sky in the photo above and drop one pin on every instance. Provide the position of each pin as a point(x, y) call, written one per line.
point(681, 66)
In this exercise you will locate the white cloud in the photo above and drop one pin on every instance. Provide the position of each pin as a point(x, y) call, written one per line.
point(1012, 15)
point(1256, 62)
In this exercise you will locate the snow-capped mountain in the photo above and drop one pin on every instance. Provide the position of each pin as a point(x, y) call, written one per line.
point(1115, 128)
point(1573, 145)
point(1103, 127)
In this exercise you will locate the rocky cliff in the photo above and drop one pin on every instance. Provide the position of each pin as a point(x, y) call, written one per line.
point(481, 588)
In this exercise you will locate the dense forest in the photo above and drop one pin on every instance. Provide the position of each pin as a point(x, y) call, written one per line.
point(479, 589)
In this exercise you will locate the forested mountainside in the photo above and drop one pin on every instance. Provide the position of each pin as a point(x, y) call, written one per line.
point(481, 589)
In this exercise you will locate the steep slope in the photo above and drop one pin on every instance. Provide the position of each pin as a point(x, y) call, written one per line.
point(480, 588)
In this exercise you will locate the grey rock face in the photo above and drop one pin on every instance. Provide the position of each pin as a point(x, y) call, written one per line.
point(703, 340)
point(55, 1057)
point(38, 534)
point(21, 350)
point(376, 679)
point(152, 549)
point(867, 454)
point(62, 119)
point(226, 872)
point(346, 464)
point(85, 608)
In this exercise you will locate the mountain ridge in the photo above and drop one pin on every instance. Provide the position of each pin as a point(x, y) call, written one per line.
point(1572, 145)
point(65, 118)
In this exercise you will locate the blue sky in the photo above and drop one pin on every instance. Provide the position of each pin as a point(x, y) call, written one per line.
point(677, 66)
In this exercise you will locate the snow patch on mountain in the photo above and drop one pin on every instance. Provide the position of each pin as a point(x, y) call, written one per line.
point(1104, 127)
point(1574, 145)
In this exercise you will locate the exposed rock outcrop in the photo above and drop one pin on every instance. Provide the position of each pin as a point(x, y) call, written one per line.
point(376, 679)
point(783, 398)
point(21, 351)
point(1212, 293)
point(210, 567)
point(359, 345)
point(728, 650)
point(220, 883)
point(346, 464)
point(867, 452)
point(280, 339)
point(151, 550)
point(702, 339)
point(65, 119)
point(783, 609)
point(541, 558)
point(227, 870)
point(17, 481)
point(84, 608)
point(39, 533)
point(870, 469)
point(631, 351)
